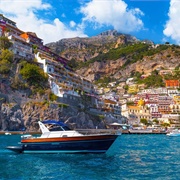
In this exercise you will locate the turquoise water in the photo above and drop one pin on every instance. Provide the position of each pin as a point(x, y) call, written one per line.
point(132, 157)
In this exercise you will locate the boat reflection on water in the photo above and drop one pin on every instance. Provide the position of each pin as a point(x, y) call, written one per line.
point(58, 138)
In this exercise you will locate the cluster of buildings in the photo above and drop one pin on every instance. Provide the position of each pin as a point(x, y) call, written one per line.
point(162, 104)
point(64, 83)
point(26, 45)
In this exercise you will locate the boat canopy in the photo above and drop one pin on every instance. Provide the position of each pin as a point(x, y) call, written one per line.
point(54, 122)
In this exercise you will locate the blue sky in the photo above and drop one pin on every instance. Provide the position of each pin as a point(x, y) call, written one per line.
point(52, 20)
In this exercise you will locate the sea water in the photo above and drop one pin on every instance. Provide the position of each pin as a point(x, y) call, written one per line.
point(132, 157)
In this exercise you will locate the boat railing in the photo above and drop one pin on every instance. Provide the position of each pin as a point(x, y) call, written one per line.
point(60, 134)
point(98, 131)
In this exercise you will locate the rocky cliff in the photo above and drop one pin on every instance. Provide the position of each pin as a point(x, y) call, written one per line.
point(84, 49)
point(14, 117)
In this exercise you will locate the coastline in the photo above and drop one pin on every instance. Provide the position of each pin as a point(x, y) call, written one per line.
point(17, 132)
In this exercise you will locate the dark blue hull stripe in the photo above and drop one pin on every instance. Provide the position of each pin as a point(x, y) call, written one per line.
point(95, 146)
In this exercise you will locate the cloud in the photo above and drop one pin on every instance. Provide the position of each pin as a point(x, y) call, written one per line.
point(38, 16)
point(17, 7)
point(113, 13)
point(72, 24)
point(26, 14)
point(172, 27)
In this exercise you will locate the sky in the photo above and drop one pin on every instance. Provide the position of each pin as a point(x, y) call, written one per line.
point(53, 20)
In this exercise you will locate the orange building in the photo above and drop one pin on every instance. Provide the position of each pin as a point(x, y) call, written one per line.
point(172, 84)
point(32, 38)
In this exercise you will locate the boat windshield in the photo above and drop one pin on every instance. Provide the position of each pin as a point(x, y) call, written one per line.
point(58, 128)
point(53, 125)
point(65, 128)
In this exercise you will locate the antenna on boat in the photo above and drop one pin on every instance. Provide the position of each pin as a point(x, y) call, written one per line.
point(43, 128)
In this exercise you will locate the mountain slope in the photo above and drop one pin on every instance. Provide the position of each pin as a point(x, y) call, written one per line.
point(115, 55)
point(84, 49)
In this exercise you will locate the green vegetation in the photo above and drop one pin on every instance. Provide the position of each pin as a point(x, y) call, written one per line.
point(73, 63)
point(6, 55)
point(101, 117)
point(104, 81)
point(63, 105)
point(52, 97)
point(165, 125)
point(154, 80)
point(4, 67)
point(144, 121)
point(130, 103)
point(33, 77)
point(6, 58)
point(132, 52)
point(175, 75)
point(33, 74)
point(155, 121)
point(5, 43)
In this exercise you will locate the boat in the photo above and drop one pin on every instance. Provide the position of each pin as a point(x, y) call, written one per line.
point(7, 133)
point(58, 138)
point(175, 132)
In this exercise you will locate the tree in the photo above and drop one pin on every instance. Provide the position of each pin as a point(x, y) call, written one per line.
point(33, 74)
point(4, 67)
point(156, 121)
point(154, 81)
point(126, 87)
point(6, 55)
point(5, 43)
point(166, 124)
point(144, 121)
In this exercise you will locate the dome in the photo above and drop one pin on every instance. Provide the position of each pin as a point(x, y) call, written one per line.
point(141, 102)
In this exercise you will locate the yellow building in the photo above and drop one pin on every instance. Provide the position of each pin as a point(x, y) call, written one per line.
point(177, 99)
point(136, 113)
point(133, 89)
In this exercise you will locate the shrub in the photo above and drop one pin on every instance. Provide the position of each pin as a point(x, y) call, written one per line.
point(34, 75)
point(4, 67)
point(52, 97)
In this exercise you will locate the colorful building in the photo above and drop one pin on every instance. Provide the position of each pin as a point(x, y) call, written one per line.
point(32, 38)
point(20, 47)
point(133, 89)
point(136, 113)
point(63, 76)
point(8, 27)
point(177, 99)
point(172, 84)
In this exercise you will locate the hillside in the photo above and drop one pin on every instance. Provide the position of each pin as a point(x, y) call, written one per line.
point(26, 98)
point(115, 55)
point(25, 95)
point(125, 66)
point(84, 49)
